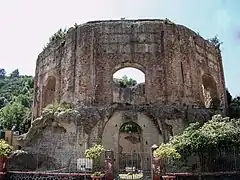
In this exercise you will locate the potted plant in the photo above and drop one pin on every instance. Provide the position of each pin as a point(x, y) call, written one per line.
point(5, 149)
point(97, 176)
point(94, 154)
point(163, 153)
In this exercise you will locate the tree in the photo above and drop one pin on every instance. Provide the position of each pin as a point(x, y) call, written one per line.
point(215, 41)
point(207, 139)
point(16, 96)
point(2, 73)
point(12, 115)
point(229, 97)
point(3, 102)
point(15, 73)
point(234, 108)
point(125, 82)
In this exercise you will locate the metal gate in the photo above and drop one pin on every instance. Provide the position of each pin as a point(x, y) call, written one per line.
point(133, 165)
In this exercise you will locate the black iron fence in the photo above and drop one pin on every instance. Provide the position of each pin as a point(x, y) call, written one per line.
point(132, 165)
point(224, 160)
point(57, 161)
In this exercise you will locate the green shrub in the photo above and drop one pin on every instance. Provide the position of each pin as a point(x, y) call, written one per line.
point(5, 148)
point(165, 151)
point(94, 152)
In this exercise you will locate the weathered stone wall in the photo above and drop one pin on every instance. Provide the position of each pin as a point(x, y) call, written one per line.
point(64, 139)
point(126, 146)
point(130, 95)
point(173, 58)
point(183, 73)
point(111, 135)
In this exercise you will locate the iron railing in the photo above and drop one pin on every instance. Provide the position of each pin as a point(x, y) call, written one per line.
point(57, 161)
point(224, 160)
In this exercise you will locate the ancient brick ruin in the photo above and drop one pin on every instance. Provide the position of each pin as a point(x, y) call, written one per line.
point(183, 74)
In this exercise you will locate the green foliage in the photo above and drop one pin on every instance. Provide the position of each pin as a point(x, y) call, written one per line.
point(12, 115)
point(166, 151)
point(52, 110)
point(229, 97)
point(125, 82)
point(234, 108)
point(233, 104)
point(3, 102)
point(5, 148)
point(130, 127)
point(56, 37)
point(15, 74)
point(16, 93)
point(215, 103)
point(168, 21)
point(95, 174)
point(218, 133)
point(215, 41)
point(2, 73)
point(94, 152)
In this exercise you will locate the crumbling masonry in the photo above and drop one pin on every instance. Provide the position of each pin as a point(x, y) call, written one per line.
point(183, 74)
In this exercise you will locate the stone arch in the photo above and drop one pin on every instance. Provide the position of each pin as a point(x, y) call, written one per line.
point(130, 138)
point(49, 91)
point(149, 136)
point(131, 95)
point(209, 90)
point(129, 64)
point(112, 126)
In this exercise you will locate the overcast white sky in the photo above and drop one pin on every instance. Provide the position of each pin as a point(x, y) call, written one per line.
point(26, 25)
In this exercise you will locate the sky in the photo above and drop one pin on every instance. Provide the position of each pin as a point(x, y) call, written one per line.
point(26, 26)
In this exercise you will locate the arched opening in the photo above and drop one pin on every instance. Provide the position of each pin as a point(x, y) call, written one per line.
point(49, 91)
point(130, 146)
point(129, 84)
point(210, 93)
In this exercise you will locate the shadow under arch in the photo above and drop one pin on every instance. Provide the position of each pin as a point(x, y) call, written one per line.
point(209, 90)
point(49, 90)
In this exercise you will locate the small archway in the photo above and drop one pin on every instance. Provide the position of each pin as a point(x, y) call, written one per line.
point(130, 145)
point(130, 138)
point(49, 91)
point(149, 135)
point(128, 84)
point(209, 91)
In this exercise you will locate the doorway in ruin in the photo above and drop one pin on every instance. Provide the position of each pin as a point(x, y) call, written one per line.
point(130, 146)
point(210, 92)
point(129, 84)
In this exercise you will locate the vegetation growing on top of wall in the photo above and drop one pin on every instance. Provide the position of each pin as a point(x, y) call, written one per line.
point(168, 21)
point(56, 37)
point(215, 41)
point(125, 82)
point(52, 110)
